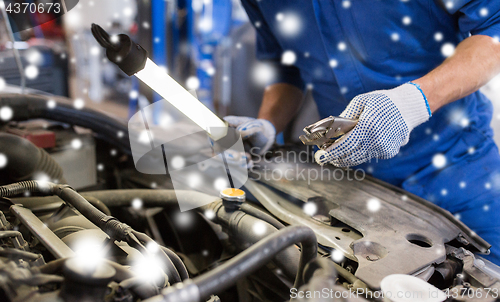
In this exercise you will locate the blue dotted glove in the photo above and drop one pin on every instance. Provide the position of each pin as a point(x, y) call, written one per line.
point(385, 120)
point(259, 133)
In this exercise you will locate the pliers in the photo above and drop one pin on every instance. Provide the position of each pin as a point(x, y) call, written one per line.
point(324, 133)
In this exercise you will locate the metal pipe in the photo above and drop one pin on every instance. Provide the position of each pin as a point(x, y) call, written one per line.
point(55, 245)
point(258, 255)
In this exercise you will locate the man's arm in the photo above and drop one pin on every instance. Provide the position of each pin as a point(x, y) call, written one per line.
point(476, 60)
point(387, 117)
point(280, 103)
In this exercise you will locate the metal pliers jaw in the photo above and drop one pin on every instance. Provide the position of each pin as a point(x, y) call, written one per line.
point(324, 132)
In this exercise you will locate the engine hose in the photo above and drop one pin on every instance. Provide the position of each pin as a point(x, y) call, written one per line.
point(258, 213)
point(248, 261)
point(179, 265)
point(25, 160)
point(110, 225)
point(318, 274)
point(26, 107)
point(124, 197)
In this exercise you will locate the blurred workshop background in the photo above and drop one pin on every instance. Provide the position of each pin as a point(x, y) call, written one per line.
point(206, 45)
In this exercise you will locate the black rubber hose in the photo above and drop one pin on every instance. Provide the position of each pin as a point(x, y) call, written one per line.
point(318, 275)
point(25, 160)
point(123, 198)
point(179, 265)
point(258, 255)
point(258, 213)
point(27, 107)
point(110, 225)
point(18, 254)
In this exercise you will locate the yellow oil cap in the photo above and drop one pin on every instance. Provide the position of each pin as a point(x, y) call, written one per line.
point(232, 198)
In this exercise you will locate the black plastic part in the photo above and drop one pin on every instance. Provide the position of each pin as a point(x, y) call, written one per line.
point(129, 56)
point(25, 160)
point(84, 284)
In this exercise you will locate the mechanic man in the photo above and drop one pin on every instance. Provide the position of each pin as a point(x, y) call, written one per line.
point(387, 57)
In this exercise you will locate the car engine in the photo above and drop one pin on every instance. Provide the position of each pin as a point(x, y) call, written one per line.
point(118, 235)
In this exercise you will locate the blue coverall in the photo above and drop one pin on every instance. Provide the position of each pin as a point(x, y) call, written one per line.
point(345, 48)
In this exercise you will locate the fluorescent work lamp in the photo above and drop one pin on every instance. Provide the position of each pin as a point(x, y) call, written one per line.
point(132, 59)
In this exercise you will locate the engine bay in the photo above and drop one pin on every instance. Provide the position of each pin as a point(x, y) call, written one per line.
point(118, 235)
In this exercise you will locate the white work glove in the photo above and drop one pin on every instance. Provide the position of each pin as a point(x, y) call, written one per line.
point(259, 133)
point(385, 120)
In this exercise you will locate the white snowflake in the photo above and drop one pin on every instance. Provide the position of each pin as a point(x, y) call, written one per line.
point(3, 84)
point(428, 131)
point(259, 228)
point(333, 63)
point(395, 37)
point(337, 256)
point(471, 150)
point(310, 208)
point(483, 12)
point(146, 25)
point(76, 144)
point(406, 20)
point(373, 205)
point(346, 4)
point(113, 152)
point(487, 185)
point(100, 167)
point(220, 184)
point(447, 50)
point(263, 74)
point(288, 58)
point(194, 180)
point(438, 37)
point(462, 184)
point(342, 46)
point(289, 24)
point(209, 214)
point(153, 247)
point(486, 208)
point(79, 104)
point(95, 51)
point(344, 90)
point(6, 113)
point(192, 83)
point(115, 39)
point(137, 203)
point(127, 11)
point(51, 104)
point(439, 161)
point(120, 134)
point(31, 72)
point(178, 162)
point(184, 219)
point(435, 137)
point(3, 160)
point(444, 192)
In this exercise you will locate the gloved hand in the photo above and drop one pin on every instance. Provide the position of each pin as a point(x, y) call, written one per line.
point(259, 133)
point(385, 120)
